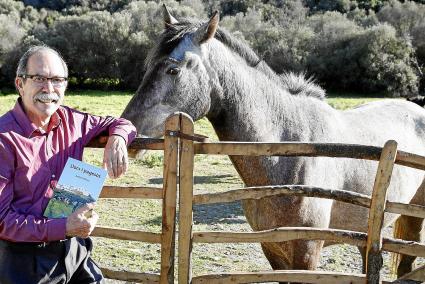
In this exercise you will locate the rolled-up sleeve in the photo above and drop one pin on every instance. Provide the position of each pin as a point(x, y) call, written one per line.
point(16, 226)
point(93, 126)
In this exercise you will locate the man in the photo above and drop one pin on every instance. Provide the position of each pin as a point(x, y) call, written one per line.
point(36, 138)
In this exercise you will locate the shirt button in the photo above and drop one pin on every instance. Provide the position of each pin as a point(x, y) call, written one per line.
point(53, 176)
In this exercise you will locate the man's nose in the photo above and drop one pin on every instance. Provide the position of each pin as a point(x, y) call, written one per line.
point(48, 85)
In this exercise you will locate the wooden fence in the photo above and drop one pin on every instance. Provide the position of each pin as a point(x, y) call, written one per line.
point(168, 194)
point(377, 204)
point(179, 150)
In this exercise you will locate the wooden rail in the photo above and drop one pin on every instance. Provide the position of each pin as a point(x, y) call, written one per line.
point(169, 201)
point(374, 260)
point(131, 276)
point(185, 212)
point(138, 144)
point(307, 276)
point(129, 235)
point(290, 149)
point(131, 192)
point(258, 192)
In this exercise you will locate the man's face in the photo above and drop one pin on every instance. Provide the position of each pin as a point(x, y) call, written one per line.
point(42, 99)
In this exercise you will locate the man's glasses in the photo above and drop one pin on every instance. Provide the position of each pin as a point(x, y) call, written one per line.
point(41, 80)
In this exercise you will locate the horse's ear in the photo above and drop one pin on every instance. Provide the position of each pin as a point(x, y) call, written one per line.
point(169, 20)
point(207, 31)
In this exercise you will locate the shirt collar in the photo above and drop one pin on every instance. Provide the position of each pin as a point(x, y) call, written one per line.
point(25, 123)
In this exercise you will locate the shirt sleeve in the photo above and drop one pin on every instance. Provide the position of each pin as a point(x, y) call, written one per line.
point(93, 126)
point(15, 225)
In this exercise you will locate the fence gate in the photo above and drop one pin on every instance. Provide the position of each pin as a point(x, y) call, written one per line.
point(179, 148)
point(377, 204)
point(168, 194)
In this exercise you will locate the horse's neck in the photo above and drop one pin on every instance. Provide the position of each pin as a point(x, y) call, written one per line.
point(251, 105)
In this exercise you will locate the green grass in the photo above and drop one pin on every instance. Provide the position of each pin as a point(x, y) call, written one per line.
point(212, 174)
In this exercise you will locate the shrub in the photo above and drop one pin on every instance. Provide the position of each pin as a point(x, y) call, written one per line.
point(346, 56)
point(388, 61)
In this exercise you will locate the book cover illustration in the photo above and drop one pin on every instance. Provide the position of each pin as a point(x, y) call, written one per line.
point(79, 183)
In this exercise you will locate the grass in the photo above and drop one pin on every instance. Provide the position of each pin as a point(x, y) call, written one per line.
point(212, 173)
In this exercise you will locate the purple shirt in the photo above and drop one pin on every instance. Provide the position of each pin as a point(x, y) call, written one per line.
point(31, 160)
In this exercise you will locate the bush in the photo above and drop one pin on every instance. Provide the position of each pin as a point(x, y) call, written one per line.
point(388, 61)
point(370, 60)
point(331, 57)
point(404, 17)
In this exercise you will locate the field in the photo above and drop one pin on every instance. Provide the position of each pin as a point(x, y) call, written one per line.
point(212, 173)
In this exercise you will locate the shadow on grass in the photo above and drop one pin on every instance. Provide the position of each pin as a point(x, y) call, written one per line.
point(219, 213)
point(211, 214)
point(199, 179)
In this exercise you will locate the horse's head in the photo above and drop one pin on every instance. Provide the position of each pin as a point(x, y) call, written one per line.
point(176, 77)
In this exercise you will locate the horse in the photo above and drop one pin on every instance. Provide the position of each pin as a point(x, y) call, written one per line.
point(201, 69)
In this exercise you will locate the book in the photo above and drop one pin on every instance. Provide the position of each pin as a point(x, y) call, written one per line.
point(79, 183)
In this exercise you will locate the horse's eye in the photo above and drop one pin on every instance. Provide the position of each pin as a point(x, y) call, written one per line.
point(173, 71)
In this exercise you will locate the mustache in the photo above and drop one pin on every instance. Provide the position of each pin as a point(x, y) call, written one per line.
point(46, 97)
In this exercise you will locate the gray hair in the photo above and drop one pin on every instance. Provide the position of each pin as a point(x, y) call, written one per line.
point(23, 62)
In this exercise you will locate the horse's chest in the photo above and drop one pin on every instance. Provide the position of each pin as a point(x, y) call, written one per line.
point(251, 170)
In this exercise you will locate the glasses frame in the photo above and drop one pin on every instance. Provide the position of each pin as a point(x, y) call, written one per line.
point(46, 79)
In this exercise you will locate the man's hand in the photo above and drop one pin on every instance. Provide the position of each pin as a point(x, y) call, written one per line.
point(115, 158)
point(81, 222)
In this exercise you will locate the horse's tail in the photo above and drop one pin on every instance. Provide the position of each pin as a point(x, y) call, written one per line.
point(398, 233)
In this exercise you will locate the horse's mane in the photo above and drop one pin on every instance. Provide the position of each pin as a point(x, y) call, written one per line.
point(170, 38)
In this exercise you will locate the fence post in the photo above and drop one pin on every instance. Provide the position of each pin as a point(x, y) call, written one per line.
point(169, 200)
point(186, 201)
point(376, 212)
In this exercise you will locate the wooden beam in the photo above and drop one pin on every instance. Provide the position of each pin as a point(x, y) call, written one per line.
point(131, 192)
point(374, 259)
point(337, 150)
point(292, 233)
point(410, 160)
point(149, 278)
point(403, 247)
point(416, 275)
point(307, 191)
point(130, 235)
point(169, 201)
point(304, 276)
point(289, 149)
point(273, 190)
point(282, 234)
point(138, 143)
point(405, 209)
point(185, 207)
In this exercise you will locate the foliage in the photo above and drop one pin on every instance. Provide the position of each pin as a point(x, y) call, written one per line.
point(106, 42)
point(346, 56)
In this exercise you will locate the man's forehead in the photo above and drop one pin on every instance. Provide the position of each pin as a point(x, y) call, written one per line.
point(45, 61)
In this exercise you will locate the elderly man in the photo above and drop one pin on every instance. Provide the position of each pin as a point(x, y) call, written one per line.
point(36, 138)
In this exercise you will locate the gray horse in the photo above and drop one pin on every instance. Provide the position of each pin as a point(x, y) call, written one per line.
point(200, 69)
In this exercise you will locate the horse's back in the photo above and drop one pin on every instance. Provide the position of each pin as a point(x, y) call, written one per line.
point(374, 124)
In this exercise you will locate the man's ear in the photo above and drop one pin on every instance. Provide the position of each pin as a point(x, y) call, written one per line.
point(19, 85)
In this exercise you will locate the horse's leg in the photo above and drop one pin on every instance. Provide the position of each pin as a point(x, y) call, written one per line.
point(407, 228)
point(362, 251)
point(303, 255)
point(274, 212)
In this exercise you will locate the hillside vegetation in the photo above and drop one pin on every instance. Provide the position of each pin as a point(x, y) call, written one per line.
point(356, 46)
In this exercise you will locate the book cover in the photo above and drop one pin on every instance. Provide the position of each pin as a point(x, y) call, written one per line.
point(79, 183)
